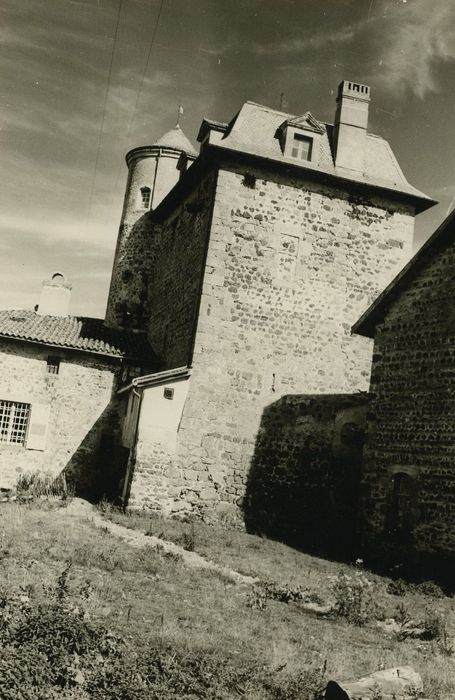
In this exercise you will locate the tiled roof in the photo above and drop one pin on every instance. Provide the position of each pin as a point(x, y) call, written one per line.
point(77, 333)
point(254, 131)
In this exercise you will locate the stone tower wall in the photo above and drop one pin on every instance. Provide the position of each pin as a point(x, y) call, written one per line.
point(411, 426)
point(290, 266)
point(154, 167)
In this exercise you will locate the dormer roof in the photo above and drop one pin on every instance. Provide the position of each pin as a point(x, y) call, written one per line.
point(306, 121)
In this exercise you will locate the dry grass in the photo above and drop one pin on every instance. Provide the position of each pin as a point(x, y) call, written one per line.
point(148, 596)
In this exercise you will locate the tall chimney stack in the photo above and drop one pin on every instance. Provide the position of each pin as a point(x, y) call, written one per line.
point(351, 121)
point(55, 296)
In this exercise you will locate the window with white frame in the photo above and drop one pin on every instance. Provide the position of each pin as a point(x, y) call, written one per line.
point(146, 194)
point(14, 419)
point(302, 147)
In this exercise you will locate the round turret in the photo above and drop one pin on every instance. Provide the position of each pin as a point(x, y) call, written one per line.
point(152, 173)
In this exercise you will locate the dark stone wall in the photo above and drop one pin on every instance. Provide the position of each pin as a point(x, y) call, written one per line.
point(175, 283)
point(408, 483)
point(302, 487)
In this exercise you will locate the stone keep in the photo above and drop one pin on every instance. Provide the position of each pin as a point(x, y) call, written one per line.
point(257, 262)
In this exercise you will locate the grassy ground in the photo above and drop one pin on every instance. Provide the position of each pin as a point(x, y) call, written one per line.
point(153, 602)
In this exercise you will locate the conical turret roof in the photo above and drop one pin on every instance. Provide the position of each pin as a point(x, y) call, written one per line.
point(175, 138)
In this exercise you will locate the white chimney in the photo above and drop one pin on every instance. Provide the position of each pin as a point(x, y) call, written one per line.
point(351, 121)
point(55, 296)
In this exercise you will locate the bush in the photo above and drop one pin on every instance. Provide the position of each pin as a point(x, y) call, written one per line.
point(430, 588)
point(354, 598)
point(399, 587)
point(434, 625)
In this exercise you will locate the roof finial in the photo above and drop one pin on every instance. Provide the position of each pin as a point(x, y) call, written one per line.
point(283, 101)
point(179, 114)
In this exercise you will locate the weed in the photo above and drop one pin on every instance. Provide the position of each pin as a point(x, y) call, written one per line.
point(257, 598)
point(403, 620)
point(188, 539)
point(354, 598)
point(33, 485)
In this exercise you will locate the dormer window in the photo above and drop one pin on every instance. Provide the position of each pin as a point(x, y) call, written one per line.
point(146, 194)
point(302, 147)
point(301, 138)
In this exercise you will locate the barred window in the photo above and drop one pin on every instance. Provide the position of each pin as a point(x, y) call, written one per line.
point(53, 365)
point(14, 418)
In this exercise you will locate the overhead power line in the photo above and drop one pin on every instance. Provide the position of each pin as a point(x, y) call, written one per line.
point(146, 66)
point(103, 117)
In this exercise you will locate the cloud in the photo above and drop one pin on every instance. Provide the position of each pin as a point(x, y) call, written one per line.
point(313, 43)
point(416, 36)
point(96, 236)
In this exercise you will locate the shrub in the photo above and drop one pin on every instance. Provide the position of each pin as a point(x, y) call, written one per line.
point(399, 587)
point(354, 597)
point(434, 624)
point(430, 588)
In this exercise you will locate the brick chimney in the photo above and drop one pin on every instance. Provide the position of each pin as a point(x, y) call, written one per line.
point(55, 296)
point(351, 121)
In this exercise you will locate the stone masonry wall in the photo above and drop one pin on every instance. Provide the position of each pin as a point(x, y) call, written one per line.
point(81, 410)
point(290, 266)
point(131, 273)
point(412, 417)
point(176, 280)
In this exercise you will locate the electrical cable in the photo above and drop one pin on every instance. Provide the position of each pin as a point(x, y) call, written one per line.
point(103, 117)
point(144, 72)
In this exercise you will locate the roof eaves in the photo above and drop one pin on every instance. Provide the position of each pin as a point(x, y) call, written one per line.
point(368, 321)
point(157, 378)
point(50, 344)
point(420, 201)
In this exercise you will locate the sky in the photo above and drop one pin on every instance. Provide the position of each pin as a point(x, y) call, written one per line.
point(74, 101)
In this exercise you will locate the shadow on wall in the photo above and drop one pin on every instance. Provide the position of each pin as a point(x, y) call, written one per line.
point(303, 483)
point(98, 465)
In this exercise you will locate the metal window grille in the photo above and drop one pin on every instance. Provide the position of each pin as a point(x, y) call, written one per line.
point(145, 196)
point(14, 418)
point(53, 365)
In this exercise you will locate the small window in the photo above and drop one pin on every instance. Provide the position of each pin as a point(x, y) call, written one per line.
point(302, 147)
point(146, 194)
point(14, 418)
point(249, 180)
point(168, 393)
point(53, 365)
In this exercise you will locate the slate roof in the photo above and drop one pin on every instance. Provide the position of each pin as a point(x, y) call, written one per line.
point(76, 333)
point(254, 131)
point(442, 238)
point(175, 138)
